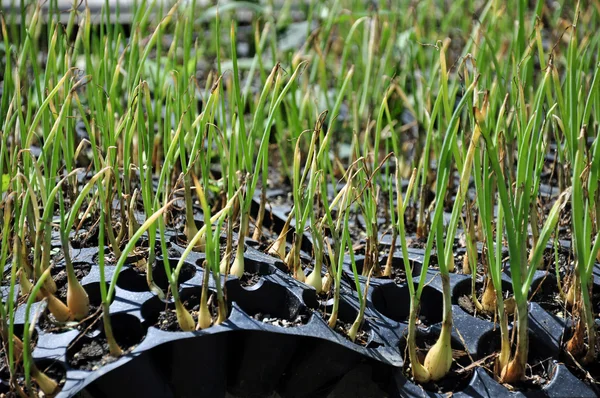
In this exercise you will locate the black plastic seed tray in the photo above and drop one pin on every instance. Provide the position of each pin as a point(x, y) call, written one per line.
point(248, 357)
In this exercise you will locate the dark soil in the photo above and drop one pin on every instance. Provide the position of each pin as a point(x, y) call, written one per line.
point(306, 266)
point(94, 354)
point(398, 273)
point(249, 279)
point(588, 372)
point(48, 323)
point(540, 367)
point(167, 319)
point(398, 276)
point(267, 236)
point(538, 374)
point(546, 294)
point(459, 258)
point(90, 353)
point(565, 259)
point(85, 239)
point(341, 327)
point(60, 277)
point(410, 219)
point(56, 372)
point(466, 303)
point(253, 270)
point(416, 243)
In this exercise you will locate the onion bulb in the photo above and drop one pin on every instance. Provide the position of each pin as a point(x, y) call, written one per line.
point(315, 280)
point(204, 317)
point(47, 385)
point(299, 274)
point(184, 318)
point(58, 308)
point(488, 300)
point(278, 247)
point(77, 299)
point(512, 372)
point(466, 267)
point(439, 358)
point(237, 268)
point(420, 374)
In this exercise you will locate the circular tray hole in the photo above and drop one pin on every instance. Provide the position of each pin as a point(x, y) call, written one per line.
point(393, 301)
point(545, 293)
point(254, 270)
point(134, 279)
point(461, 296)
point(162, 315)
point(90, 353)
point(94, 294)
point(589, 373)
point(53, 369)
point(346, 316)
point(60, 277)
point(540, 364)
point(49, 324)
point(456, 380)
point(272, 304)
point(398, 273)
point(84, 238)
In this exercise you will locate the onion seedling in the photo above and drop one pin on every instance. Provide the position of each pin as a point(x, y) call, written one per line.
point(245, 148)
point(584, 204)
point(585, 201)
point(18, 351)
point(303, 199)
point(367, 199)
point(184, 318)
point(341, 237)
point(13, 345)
point(516, 219)
point(201, 125)
point(439, 358)
point(237, 268)
point(211, 266)
point(362, 295)
point(395, 218)
point(107, 295)
point(46, 384)
point(314, 278)
point(78, 301)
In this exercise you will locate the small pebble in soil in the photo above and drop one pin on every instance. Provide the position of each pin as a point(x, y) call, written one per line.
point(299, 320)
